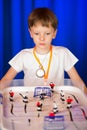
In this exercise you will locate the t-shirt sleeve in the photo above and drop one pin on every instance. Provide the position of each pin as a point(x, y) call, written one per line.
point(17, 62)
point(69, 59)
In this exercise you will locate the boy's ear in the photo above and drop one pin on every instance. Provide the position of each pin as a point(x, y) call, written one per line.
point(55, 34)
point(30, 32)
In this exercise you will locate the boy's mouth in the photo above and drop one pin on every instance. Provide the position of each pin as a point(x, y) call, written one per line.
point(42, 43)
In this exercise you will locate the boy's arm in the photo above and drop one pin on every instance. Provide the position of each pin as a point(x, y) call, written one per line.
point(11, 73)
point(76, 79)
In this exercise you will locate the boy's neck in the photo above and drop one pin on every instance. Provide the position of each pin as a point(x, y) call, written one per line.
point(42, 51)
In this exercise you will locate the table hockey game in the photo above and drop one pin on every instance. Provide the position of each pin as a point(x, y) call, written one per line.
point(43, 108)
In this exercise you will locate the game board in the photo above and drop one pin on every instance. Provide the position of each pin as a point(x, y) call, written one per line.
point(44, 108)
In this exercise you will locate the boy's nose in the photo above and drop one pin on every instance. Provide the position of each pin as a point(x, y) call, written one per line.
point(42, 37)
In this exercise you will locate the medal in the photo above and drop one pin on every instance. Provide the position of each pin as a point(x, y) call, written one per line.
point(40, 73)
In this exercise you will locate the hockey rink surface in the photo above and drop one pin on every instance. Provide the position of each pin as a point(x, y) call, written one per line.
point(20, 109)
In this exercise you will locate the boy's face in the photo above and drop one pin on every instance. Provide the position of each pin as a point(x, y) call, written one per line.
point(42, 36)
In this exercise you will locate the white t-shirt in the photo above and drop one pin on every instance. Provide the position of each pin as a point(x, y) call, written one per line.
point(62, 60)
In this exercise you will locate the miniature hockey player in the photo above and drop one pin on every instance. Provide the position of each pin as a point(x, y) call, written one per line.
point(51, 115)
point(52, 85)
point(62, 96)
point(11, 98)
point(25, 100)
point(39, 106)
point(69, 101)
point(42, 94)
point(11, 93)
point(55, 108)
point(62, 93)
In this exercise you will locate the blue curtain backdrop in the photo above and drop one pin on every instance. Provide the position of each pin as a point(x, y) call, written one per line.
point(72, 29)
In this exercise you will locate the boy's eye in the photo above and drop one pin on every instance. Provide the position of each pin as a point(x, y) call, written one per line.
point(48, 33)
point(36, 33)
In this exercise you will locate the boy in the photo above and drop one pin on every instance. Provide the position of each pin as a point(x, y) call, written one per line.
point(44, 63)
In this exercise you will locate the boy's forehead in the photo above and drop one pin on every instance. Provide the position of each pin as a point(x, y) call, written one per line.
point(39, 26)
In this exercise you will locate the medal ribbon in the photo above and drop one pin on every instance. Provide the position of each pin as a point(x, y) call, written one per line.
point(50, 59)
